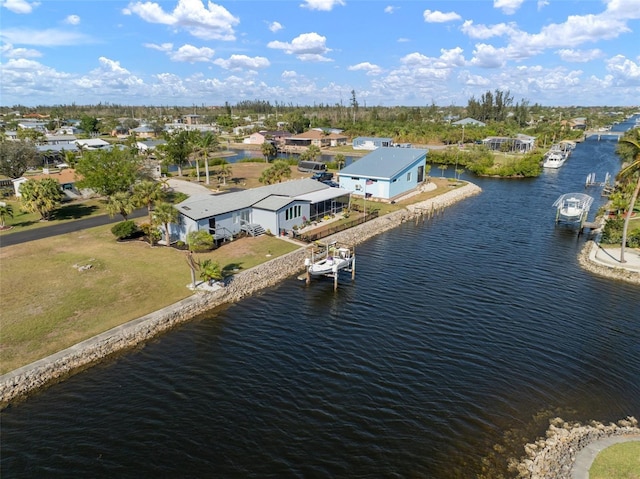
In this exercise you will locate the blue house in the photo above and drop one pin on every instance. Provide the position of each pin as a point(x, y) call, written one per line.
point(385, 173)
point(370, 143)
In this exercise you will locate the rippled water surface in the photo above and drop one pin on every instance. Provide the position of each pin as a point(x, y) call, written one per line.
point(458, 340)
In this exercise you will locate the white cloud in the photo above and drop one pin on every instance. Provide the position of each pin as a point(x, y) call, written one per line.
point(289, 74)
point(390, 9)
point(210, 23)
point(508, 7)
point(483, 32)
point(47, 38)
point(242, 62)
point(19, 6)
point(165, 47)
point(275, 27)
point(322, 5)
point(72, 20)
point(627, 71)
point(307, 47)
point(191, 54)
point(579, 56)
point(625, 9)
point(368, 68)
point(487, 56)
point(542, 4)
point(8, 51)
point(578, 29)
point(403, 40)
point(440, 17)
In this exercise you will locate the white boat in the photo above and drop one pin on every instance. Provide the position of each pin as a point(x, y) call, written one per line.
point(554, 159)
point(572, 207)
point(334, 259)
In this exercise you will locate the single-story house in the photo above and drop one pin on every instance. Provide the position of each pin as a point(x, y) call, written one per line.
point(92, 144)
point(520, 144)
point(149, 145)
point(385, 173)
point(258, 138)
point(469, 122)
point(65, 177)
point(317, 137)
point(277, 208)
point(370, 143)
point(60, 139)
point(143, 131)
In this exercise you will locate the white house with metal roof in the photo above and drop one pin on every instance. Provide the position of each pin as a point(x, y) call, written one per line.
point(385, 173)
point(276, 208)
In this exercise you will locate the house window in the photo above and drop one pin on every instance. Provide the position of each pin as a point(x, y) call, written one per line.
point(236, 218)
point(409, 176)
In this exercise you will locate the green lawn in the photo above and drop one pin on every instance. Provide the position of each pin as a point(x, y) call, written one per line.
point(49, 303)
point(620, 461)
point(71, 211)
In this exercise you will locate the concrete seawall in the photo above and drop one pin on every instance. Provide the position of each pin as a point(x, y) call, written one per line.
point(55, 368)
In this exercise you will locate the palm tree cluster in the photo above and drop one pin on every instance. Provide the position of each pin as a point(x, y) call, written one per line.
point(629, 175)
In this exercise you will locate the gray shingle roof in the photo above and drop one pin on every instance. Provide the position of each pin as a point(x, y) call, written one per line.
point(200, 207)
point(383, 163)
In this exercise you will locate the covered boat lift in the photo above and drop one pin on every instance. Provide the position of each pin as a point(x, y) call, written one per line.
point(573, 208)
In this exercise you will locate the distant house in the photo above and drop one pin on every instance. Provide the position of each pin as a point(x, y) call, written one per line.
point(385, 173)
point(258, 138)
point(277, 208)
point(317, 137)
point(143, 131)
point(520, 144)
point(60, 139)
point(66, 178)
point(149, 145)
point(93, 144)
point(192, 119)
point(468, 122)
point(370, 143)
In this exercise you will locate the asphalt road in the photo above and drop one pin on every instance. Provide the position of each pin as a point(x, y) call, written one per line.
point(9, 239)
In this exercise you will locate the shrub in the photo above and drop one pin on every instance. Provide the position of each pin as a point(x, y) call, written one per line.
point(612, 231)
point(200, 241)
point(124, 229)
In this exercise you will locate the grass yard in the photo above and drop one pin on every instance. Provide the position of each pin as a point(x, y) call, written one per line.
point(620, 461)
point(49, 303)
point(71, 211)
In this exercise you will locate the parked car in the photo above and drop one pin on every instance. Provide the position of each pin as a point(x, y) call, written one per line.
point(322, 176)
point(331, 183)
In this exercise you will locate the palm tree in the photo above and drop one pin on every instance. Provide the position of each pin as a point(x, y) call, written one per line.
point(224, 171)
point(627, 174)
point(146, 193)
point(5, 210)
point(210, 271)
point(121, 202)
point(205, 143)
point(40, 196)
point(268, 150)
point(163, 214)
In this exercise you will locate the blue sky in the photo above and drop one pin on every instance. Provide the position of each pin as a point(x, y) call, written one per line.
point(305, 52)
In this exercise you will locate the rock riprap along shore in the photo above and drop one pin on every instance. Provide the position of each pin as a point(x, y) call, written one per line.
point(23, 381)
point(554, 456)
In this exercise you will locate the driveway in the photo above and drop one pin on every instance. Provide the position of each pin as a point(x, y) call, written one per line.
point(188, 188)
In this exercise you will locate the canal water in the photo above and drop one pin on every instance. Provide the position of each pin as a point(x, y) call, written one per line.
point(457, 342)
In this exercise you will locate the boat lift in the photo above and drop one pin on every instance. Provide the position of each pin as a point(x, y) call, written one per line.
point(318, 251)
point(606, 185)
point(573, 209)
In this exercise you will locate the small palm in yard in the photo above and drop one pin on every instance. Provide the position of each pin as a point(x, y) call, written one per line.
point(210, 271)
point(121, 203)
point(164, 214)
point(5, 211)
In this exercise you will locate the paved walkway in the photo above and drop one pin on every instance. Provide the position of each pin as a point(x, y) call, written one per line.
point(610, 257)
point(586, 456)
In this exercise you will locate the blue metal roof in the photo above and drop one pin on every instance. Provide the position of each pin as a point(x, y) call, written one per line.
point(384, 163)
